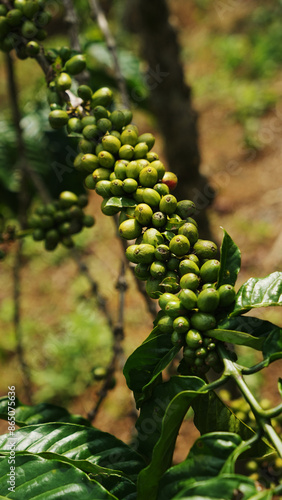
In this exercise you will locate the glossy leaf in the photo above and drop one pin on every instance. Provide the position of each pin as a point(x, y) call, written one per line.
point(149, 423)
point(205, 460)
point(235, 337)
point(78, 443)
point(212, 415)
point(259, 292)
point(120, 202)
point(147, 362)
point(41, 413)
point(272, 347)
point(230, 261)
point(186, 389)
point(218, 488)
point(263, 495)
point(37, 477)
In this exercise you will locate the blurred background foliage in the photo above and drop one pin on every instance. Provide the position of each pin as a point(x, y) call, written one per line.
point(233, 60)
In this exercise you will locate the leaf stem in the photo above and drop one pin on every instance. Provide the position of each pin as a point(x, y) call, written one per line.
point(262, 417)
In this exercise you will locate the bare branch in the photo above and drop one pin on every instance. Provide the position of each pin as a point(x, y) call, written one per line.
point(97, 12)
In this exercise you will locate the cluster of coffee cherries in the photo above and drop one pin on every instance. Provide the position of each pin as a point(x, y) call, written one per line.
point(56, 222)
point(22, 26)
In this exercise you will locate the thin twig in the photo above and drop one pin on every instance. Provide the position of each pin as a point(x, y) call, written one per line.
point(118, 334)
point(17, 323)
point(73, 23)
point(98, 14)
point(22, 207)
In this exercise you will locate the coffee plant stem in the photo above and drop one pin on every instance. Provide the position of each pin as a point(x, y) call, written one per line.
point(235, 372)
point(256, 368)
point(273, 412)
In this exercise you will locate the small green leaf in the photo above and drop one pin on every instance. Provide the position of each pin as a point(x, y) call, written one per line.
point(173, 224)
point(238, 338)
point(37, 414)
point(147, 362)
point(263, 495)
point(218, 488)
point(205, 460)
point(230, 261)
point(168, 235)
point(120, 202)
point(259, 292)
point(37, 477)
point(272, 347)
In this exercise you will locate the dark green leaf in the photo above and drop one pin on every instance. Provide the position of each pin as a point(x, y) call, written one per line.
point(212, 415)
point(219, 488)
point(238, 338)
point(149, 423)
point(272, 347)
point(259, 292)
point(186, 389)
point(230, 261)
point(78, 443)
point(147, 362)
point(205, 460)
point(249, 324)
point(41, 413)
point(120, 202)
point(37, 477)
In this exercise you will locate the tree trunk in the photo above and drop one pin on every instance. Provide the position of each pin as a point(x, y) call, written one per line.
point(170, 99)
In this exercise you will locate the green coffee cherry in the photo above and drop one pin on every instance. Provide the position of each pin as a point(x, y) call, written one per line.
point(174, 308)
point(162, 189)
point(129, 136)
point(74, 125)
point(162, 253)
point(84, 92)
point(133, 170)
point(151, 197)
point(38, 234)
point(127, 116)
point(190, 231)
point(117, 187)
point(165, 298)
point(58, 118)
point(118, 119)
point(90, 131)
point(104, 125)
point(75, 64)
point(189, 355)
point(185, 208)
point(173, 264)
point(209, 271)
point(67, 198)
point(30, 8)
point(148, 176)
point(120, 170)
point(85, 146)
point(28, 29)
point(153, 287)
point(168, 204)
point(106, 159)
point(227, 295)
point(32, 49)
point(142, 272)
point(181, 324)
point(177, 338)
point(144, 253)
point(88, 220)
point(194, 339)
point(126, 152)
point(102, 97)
point(203, 321)
point(100, 112)
point(159, 219)
point(179, 245)
point(140, 150)
point(205, 249)
point(148, 138)
point(160, 168)
point(138, 195)
point(208, 300)
point(153, 237)
point(130, 185)
point(63, 82)
point(103, 188)
point(143, 214)
point(188, 266)
point(190, 281)
point(111, 143)
point(158, 269)
point(165, 324)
